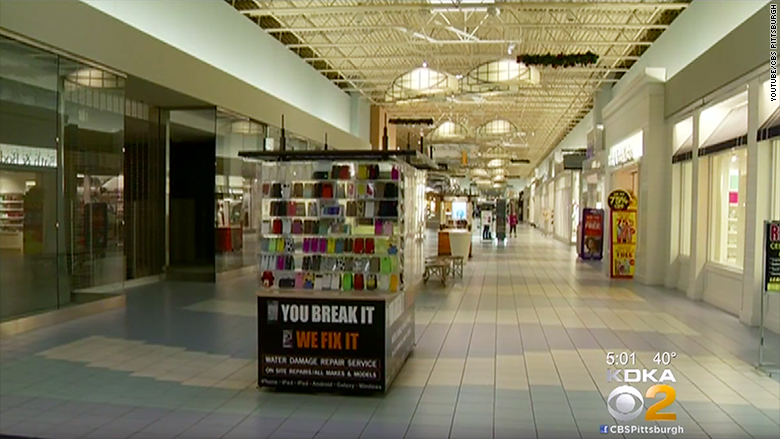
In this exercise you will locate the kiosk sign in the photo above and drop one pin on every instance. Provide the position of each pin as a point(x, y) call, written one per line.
point(332, 344)
point(772, 257)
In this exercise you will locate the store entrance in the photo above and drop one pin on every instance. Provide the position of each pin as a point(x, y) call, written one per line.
point(623, 232)
point(627, 179)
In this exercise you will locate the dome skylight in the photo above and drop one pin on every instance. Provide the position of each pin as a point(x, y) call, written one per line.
point(498, 127)
point(449, 130)
point(421, 82)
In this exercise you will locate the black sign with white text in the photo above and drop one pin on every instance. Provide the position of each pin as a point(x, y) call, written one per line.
point(321, 344)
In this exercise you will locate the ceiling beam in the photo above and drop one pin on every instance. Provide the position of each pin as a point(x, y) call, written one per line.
point(512, 26)
point(578, 43)
point(435, 56)
point(375, 8)
point(595, 69)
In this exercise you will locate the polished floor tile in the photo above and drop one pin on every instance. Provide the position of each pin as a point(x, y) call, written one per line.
point(515, 349)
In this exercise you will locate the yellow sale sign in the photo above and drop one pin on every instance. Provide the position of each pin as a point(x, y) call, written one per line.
point(624, 230)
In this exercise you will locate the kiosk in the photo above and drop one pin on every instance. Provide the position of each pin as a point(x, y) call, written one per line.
point(340, 261)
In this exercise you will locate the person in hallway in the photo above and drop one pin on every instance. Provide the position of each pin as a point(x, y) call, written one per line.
point(486, 220)
point(513, 224)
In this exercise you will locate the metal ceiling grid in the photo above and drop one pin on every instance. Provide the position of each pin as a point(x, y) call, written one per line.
point(363, 46)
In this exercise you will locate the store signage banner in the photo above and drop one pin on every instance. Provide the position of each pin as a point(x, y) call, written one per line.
point(772, 256)
point(627, 151)
point(592, 230)
point(623, 243)
point(18, 155)
point(321, 344)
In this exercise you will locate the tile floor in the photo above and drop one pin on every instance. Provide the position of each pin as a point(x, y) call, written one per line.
point(516, 349)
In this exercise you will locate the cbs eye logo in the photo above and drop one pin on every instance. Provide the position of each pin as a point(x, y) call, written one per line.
point(626, 403)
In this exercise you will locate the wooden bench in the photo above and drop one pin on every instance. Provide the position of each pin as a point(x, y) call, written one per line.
point(456, 265)
point(437, 266)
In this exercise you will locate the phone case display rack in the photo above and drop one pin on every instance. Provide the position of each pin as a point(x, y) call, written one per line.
point(338, 253)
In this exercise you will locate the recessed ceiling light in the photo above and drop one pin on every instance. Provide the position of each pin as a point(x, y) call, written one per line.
point(425, 64)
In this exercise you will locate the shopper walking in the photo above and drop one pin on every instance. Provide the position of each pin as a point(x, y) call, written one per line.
point(513, 224)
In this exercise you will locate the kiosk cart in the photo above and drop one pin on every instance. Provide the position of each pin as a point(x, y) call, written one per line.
point(340, 261)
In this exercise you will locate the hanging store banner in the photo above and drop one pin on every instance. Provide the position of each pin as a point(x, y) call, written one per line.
point(623, 243)
point(592, 234)
point(772, 256)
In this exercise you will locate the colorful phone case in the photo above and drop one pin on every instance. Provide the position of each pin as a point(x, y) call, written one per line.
point(383, 282)
point(297, 190)
point(386, 265)
point(346, 282)
point(374, 265)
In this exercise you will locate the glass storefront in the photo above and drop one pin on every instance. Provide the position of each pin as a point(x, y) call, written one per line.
point(575, 205)
point(61, 204)
point(561, 203)
point(728, 174)
point(234, 220)
point(235, 178)
point(685, 170)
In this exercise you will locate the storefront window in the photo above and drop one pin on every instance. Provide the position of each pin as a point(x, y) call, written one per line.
point(575, 205)
point(75, 183)
point(235, 220)
point(562, 203)
point(686, 206)
point(93, 110)
point(727, 207)
point(28, 189)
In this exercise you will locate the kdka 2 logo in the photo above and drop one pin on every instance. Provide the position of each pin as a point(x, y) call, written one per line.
point(626, 402)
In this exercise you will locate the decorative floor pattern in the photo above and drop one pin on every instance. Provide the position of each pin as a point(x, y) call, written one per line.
point(516, 349)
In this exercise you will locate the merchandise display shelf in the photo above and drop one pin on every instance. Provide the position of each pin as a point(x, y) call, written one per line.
point(339, 263)
point(11, 221)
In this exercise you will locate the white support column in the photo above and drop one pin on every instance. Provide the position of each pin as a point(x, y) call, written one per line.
point(655, 186)
point(756, 210)
point(699, 218)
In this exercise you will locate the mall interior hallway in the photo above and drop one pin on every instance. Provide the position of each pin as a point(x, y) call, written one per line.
point(516, 349)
